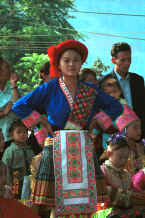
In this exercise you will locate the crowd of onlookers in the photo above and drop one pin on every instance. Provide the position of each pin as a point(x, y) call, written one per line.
point(18, 146)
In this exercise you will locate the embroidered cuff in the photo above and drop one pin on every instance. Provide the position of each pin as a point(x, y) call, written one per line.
point(28, 121)
point(103, 120)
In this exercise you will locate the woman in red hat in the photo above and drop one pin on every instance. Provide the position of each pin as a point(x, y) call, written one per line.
point(72, 107)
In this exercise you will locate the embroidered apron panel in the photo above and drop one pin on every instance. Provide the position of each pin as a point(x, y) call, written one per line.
point(74, 173)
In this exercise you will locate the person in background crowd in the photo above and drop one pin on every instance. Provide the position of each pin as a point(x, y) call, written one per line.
point(125, 202)
point(44, 72)
point(88, 75)
point(9, 93)
point(132, 84)
point(130, 124)
point(9, 207)
point(111, 86)
point(17, 157)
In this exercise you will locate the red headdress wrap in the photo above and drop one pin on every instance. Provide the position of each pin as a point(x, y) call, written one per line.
point(54, 53)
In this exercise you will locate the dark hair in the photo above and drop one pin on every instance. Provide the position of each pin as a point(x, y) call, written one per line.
point(117, 141)
point(103, 82)
point(118, 47)
point(45, 68)
point(3, 61)
point(14, 125)
point(84, 73)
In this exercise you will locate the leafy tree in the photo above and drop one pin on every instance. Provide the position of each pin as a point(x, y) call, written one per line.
point(32, 26)
point(99, 67)
point(28, 70)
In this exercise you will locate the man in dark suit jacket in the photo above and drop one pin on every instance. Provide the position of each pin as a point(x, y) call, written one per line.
point(132, 84)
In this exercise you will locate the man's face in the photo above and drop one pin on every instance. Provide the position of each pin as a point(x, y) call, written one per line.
point(122, 62)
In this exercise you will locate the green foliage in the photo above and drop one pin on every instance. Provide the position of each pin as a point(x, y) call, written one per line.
point(31, 26)
point(28, 70)
point(99, 67)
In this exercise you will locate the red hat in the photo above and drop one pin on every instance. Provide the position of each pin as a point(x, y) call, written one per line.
point(126, 118)
point(54, 53)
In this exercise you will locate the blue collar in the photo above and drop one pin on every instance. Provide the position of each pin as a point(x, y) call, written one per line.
point(119, 77)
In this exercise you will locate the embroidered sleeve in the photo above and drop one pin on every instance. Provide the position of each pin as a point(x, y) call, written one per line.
point(29, 120)
point(109, 110)
point(108, 105)
point(103, 120)
point(26, 107)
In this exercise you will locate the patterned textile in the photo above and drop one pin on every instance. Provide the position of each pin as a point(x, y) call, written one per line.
point(126, 118)
point(29, 120)
point(119, 180)
point(104, 121)
point(138, 180)
point(136, 159)
point(82, 105)
point(43, 188)
point(74, 168)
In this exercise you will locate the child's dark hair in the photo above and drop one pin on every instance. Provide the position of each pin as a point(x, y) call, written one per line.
point(103, 82)
point(117, 141)
point(14, 125)
point(84, 73)
point(118, 47)
point(45, 68)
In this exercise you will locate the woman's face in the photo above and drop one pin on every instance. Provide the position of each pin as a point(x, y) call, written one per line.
point(70, 63)
point(5, 71)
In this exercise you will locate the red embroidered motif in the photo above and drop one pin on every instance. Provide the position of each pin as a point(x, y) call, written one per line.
point(82, 105)
point(74, 160)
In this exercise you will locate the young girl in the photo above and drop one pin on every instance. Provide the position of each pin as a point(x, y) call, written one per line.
point(124, 201)
point(17, 157)
point(70, 105)
point(130, 124)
